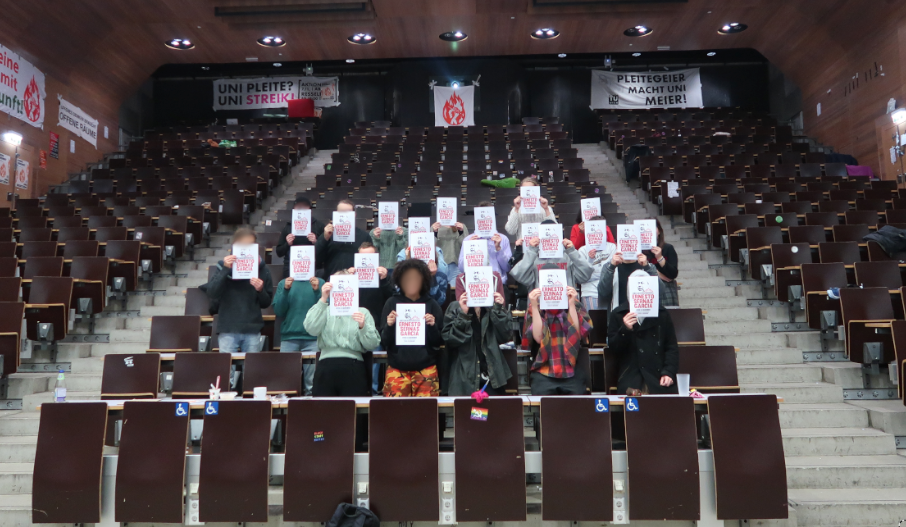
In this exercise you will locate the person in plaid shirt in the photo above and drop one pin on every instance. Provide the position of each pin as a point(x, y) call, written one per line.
point(558, 334)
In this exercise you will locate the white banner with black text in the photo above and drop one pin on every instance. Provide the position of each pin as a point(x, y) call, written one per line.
point(637, 90)
point(274, 92)
point(72, 118)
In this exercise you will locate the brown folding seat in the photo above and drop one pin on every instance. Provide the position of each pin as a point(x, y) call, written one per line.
point(867, 217)
point(125, 261)
point(9, 266)
point(838, 206)
point(72, 234)
point(823, 218)
point(689, 324)
point(106, 234)
point(9, 289)
point(850, 233)
point(280, 373)
point(799, 207)
point(175, 333)
point(843, 252)
point(878, 205)
point(711, 369)
point(90, 274)
point(48, 302)
point(38, 249)
point(76, 248)
point(194, 373)
point(133, 376)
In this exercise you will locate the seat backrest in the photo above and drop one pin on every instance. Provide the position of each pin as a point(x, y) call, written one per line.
point(832, 205)
point(75, 248)
point(850, 233)
point(9, 289)
point(90, 268)
point(108, 234)
point(824, 219)
point(741, 222)
point(689, 325)
point(879, 274)
point(757, 237)
point(822, 276)
point(759, 209)
point(175, 333)
point(867, 217)
point(810, 234)
point(842, 252)
point(51, 290)
point(43, 266)
point(711, 369)
point(193, 373)
point(278, 372)
point(133, 376)
point(9, 266)
point(32, 234)
point(870, 303)
point(39, 249)
point(197, 302)
point(799, 207)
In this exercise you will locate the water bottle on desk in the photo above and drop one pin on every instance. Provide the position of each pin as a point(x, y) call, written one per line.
point(59, 389)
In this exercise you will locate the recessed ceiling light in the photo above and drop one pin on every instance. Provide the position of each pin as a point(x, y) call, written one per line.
point(271, 42)
point(732, 28)
point(545, 34)
point(277, 64)
point(350, 61)
point(562, 55)
point(453, 36)
point(179, 43)
point(638, 31)
point(362, 39)
point(636, 54)
point(205, 68)
point(712, 53)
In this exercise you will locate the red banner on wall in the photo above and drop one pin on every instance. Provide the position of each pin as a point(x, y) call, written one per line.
point(43, 163)
point(54, 145)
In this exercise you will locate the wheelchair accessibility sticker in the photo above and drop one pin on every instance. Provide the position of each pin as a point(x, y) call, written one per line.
point(632, 404)
point(211, 408)
point(602, 405)
point(182, 409)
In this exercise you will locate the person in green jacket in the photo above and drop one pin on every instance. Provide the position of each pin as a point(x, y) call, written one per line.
point(291, 303)
point(388, 244)
point(341, 369)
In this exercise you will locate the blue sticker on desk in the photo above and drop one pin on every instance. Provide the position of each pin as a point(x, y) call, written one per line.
point(182, 409)
point(211, 408)
point(602, 405)
point(632, 404)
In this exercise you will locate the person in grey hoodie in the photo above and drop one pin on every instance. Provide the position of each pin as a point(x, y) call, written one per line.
point(615, 275)
point(578, 269)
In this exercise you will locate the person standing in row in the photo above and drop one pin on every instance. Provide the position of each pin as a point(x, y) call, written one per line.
point(648, 351)
point(338, 256)
point(666, 261)
point(291, 303)
point(449, 240)
point(596, 258)
point(288, 239)
point(388, 244)
point(578, 270)
point(515, 220)
point(499, 252)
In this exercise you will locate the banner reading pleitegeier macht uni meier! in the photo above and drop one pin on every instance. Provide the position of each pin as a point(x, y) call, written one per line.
point(274, 92)
point(632, 90)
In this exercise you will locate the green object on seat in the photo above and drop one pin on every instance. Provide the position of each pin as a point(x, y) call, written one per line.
point(509, 182)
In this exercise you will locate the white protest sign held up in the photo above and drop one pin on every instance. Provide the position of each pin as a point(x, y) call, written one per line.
point(647, 234)
point(553, 289)
point(410, 324)
point(421, 246)
point(246, 265)
point(302, 262)
point(596, 234)
point(485, 221)
point(530, 200)
point(643, 294)
point(301, 222)
point(366, 269)
point(419, 225)
point(551, 245)
point(480, 286)
point(529, 231)
point(344, 295)
point(591, 207)
point(628, 241)
point(388, 215)
point(344, 226)
point(446, 211)
point(475, 253)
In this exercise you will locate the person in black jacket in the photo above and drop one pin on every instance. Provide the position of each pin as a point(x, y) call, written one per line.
point(666, 261)
point(240, 302)
point(412, 370)
point(287, 239)
point(338, 256)
point(648, 351)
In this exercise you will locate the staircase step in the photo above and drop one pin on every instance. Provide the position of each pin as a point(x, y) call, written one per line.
point(837, 442)
point(838, 472)
point(816, 392)
point(821, 415)
point(848, 507)
point(796, 373)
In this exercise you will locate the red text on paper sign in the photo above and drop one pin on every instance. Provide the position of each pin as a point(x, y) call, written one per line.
point(410, 329)
point(552, 293)
point(343, 299)
point(343, 229)
point(643, 300)
point(445, 214)
point(422, 252)
point(590, 213)
point(474, 260)
point(630, 245)
point(485, 225)
point(530, 203)
point(388, 218)
point(365, 274)
point(244, 265)
point(594, 238)
point(480, 290)
point(300, 225)
point(647, 237)
point(301, 266)
point(549, 244)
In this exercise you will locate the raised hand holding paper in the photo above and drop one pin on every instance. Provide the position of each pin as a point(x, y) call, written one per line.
point(643, 294)
point(410, 325)
point(302, 262)
point(485, 221)
point(421, 246)
point(596, 234)
point(475, 253)
point(301, 222)
point(366, 269)
point(246, 265)
point(591, 207)
point(419, 225)
point(530, 200)
point(389, 215)
point(529, 231)
point(480, 286)
point(647, 234)
point(344, 295)
point(628, 241)
point(553, 289)
point(446, 211)
point(551, 245)
point(344, 226)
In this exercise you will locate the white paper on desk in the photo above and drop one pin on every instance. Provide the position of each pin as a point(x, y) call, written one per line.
point(344, 295)
point(485, 222)
point(344, 226)
point(480, 286)
point(647, 234)
point(475, 253)
point(421, 246)
point(551, 245)
point(643, 294)
point(553, 289)
point(246, 265)
point(530, 202)
point(301, 222)
point(389, 215)
point(446, 211)
point(302, 262)
point(628, 241)
point(591, 207)
point(410, 324)
point(529, 231)
point(366, 270)
point(596, 234)
point(673, 189)
point(419, 225)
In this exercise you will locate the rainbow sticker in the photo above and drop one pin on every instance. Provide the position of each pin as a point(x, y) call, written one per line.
point(479, 414)
point(319, 436)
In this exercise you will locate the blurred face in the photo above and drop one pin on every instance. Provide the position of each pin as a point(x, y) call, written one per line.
point(245, 240)
point(411, 283)
point(301, 206)
point(528, 182)
point(344, 207)
point(367, 250)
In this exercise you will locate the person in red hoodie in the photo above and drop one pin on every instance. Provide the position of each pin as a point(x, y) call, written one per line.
point(577, 234)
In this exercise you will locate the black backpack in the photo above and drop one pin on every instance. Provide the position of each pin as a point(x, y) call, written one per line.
point(891, 240)
point(348, 515)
